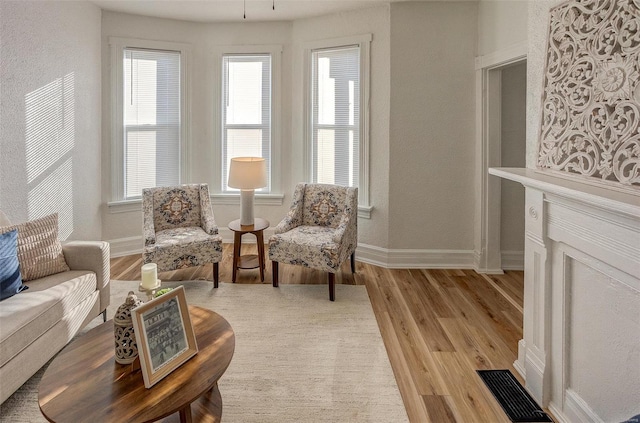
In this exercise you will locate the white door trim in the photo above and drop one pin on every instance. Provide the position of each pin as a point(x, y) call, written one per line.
point(487, 252)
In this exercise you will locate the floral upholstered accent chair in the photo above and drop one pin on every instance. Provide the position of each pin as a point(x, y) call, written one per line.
point(320, 231)
point(179, 228)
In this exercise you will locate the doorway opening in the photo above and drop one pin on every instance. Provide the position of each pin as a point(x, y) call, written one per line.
point(513, 147)
point(501, 142)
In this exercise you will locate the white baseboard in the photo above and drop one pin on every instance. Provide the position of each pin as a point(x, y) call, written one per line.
point(577, 410)
point(534, 368)
point(557, 415)
point(509, 260)
point(519, 364)
point(126, 246)
point(415, 259)
point(383, 257)
point(490, 271)
point(512, 260)
point(133, 245)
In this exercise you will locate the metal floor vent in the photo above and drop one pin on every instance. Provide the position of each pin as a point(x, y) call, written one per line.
point(512, 397)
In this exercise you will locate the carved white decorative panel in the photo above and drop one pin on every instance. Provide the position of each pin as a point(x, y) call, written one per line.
point(591, 100)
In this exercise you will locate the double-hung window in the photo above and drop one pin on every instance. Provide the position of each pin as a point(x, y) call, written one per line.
point(337, 134)
point(148, 128)
point(247, 114)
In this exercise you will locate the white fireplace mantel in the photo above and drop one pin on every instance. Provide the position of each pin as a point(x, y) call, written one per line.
point(580, 355)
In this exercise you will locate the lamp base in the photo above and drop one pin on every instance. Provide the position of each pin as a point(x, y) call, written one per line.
point(246, 207)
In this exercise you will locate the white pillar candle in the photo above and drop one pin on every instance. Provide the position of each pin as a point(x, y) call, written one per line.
point(149, 275)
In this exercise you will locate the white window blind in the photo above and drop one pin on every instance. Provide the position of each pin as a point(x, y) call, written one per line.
point(246, 111)
point(335, 120)
point(151, 118)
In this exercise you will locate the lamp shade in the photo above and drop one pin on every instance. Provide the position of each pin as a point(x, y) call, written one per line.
point(247, 173)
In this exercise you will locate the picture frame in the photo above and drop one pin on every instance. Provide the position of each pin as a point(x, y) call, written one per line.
point(164, 335)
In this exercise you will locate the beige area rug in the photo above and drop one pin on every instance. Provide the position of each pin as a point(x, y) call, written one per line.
point(298, 358)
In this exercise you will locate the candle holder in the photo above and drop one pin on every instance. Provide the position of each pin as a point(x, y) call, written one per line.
point(150, 291)
point(126, 347)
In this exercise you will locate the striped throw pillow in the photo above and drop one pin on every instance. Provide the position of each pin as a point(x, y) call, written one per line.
point(39, 250)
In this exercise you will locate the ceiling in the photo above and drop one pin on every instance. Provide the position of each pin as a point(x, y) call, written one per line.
point(232, 10)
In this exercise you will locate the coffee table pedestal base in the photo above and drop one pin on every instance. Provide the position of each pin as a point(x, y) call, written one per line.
point(206, 409)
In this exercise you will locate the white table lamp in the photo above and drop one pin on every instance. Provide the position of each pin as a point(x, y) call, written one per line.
point(247, 174)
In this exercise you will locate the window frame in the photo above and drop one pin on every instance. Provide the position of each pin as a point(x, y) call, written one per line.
point(259, 126)
point(273, 197)
point(363, 42)
point(117, 114)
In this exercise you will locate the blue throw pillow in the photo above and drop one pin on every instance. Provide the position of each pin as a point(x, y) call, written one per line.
point(10, 280)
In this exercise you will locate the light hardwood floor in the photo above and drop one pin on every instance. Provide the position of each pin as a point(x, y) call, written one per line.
point(439, 327)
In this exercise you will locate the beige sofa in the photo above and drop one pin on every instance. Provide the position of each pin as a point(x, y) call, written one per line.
point(38, 322)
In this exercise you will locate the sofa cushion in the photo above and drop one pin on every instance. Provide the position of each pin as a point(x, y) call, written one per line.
point(10, 280)
point(27, 316)
point(39, 250)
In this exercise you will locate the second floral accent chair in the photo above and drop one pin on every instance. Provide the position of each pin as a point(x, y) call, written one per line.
point(179, 228)
point(320, 231)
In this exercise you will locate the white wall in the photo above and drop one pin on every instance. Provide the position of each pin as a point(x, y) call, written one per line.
point(513, 146)
point(432, 125)
point(375, 21)
point(501, 24)
point(50, 114)
point(204, 39)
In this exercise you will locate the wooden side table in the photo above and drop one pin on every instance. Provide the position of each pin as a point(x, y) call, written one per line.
point(248, 261)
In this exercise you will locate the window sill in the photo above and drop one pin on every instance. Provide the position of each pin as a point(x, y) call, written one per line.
point(365, 212)
point(126, 206)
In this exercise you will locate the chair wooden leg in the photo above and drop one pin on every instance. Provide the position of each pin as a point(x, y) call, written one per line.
point(332, 286)
point(353, 262)
point(216, 275)
point(274, 273)
point(260, 241)
point(237, 241)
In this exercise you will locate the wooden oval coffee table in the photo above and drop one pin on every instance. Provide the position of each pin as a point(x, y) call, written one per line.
point(85, 384)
